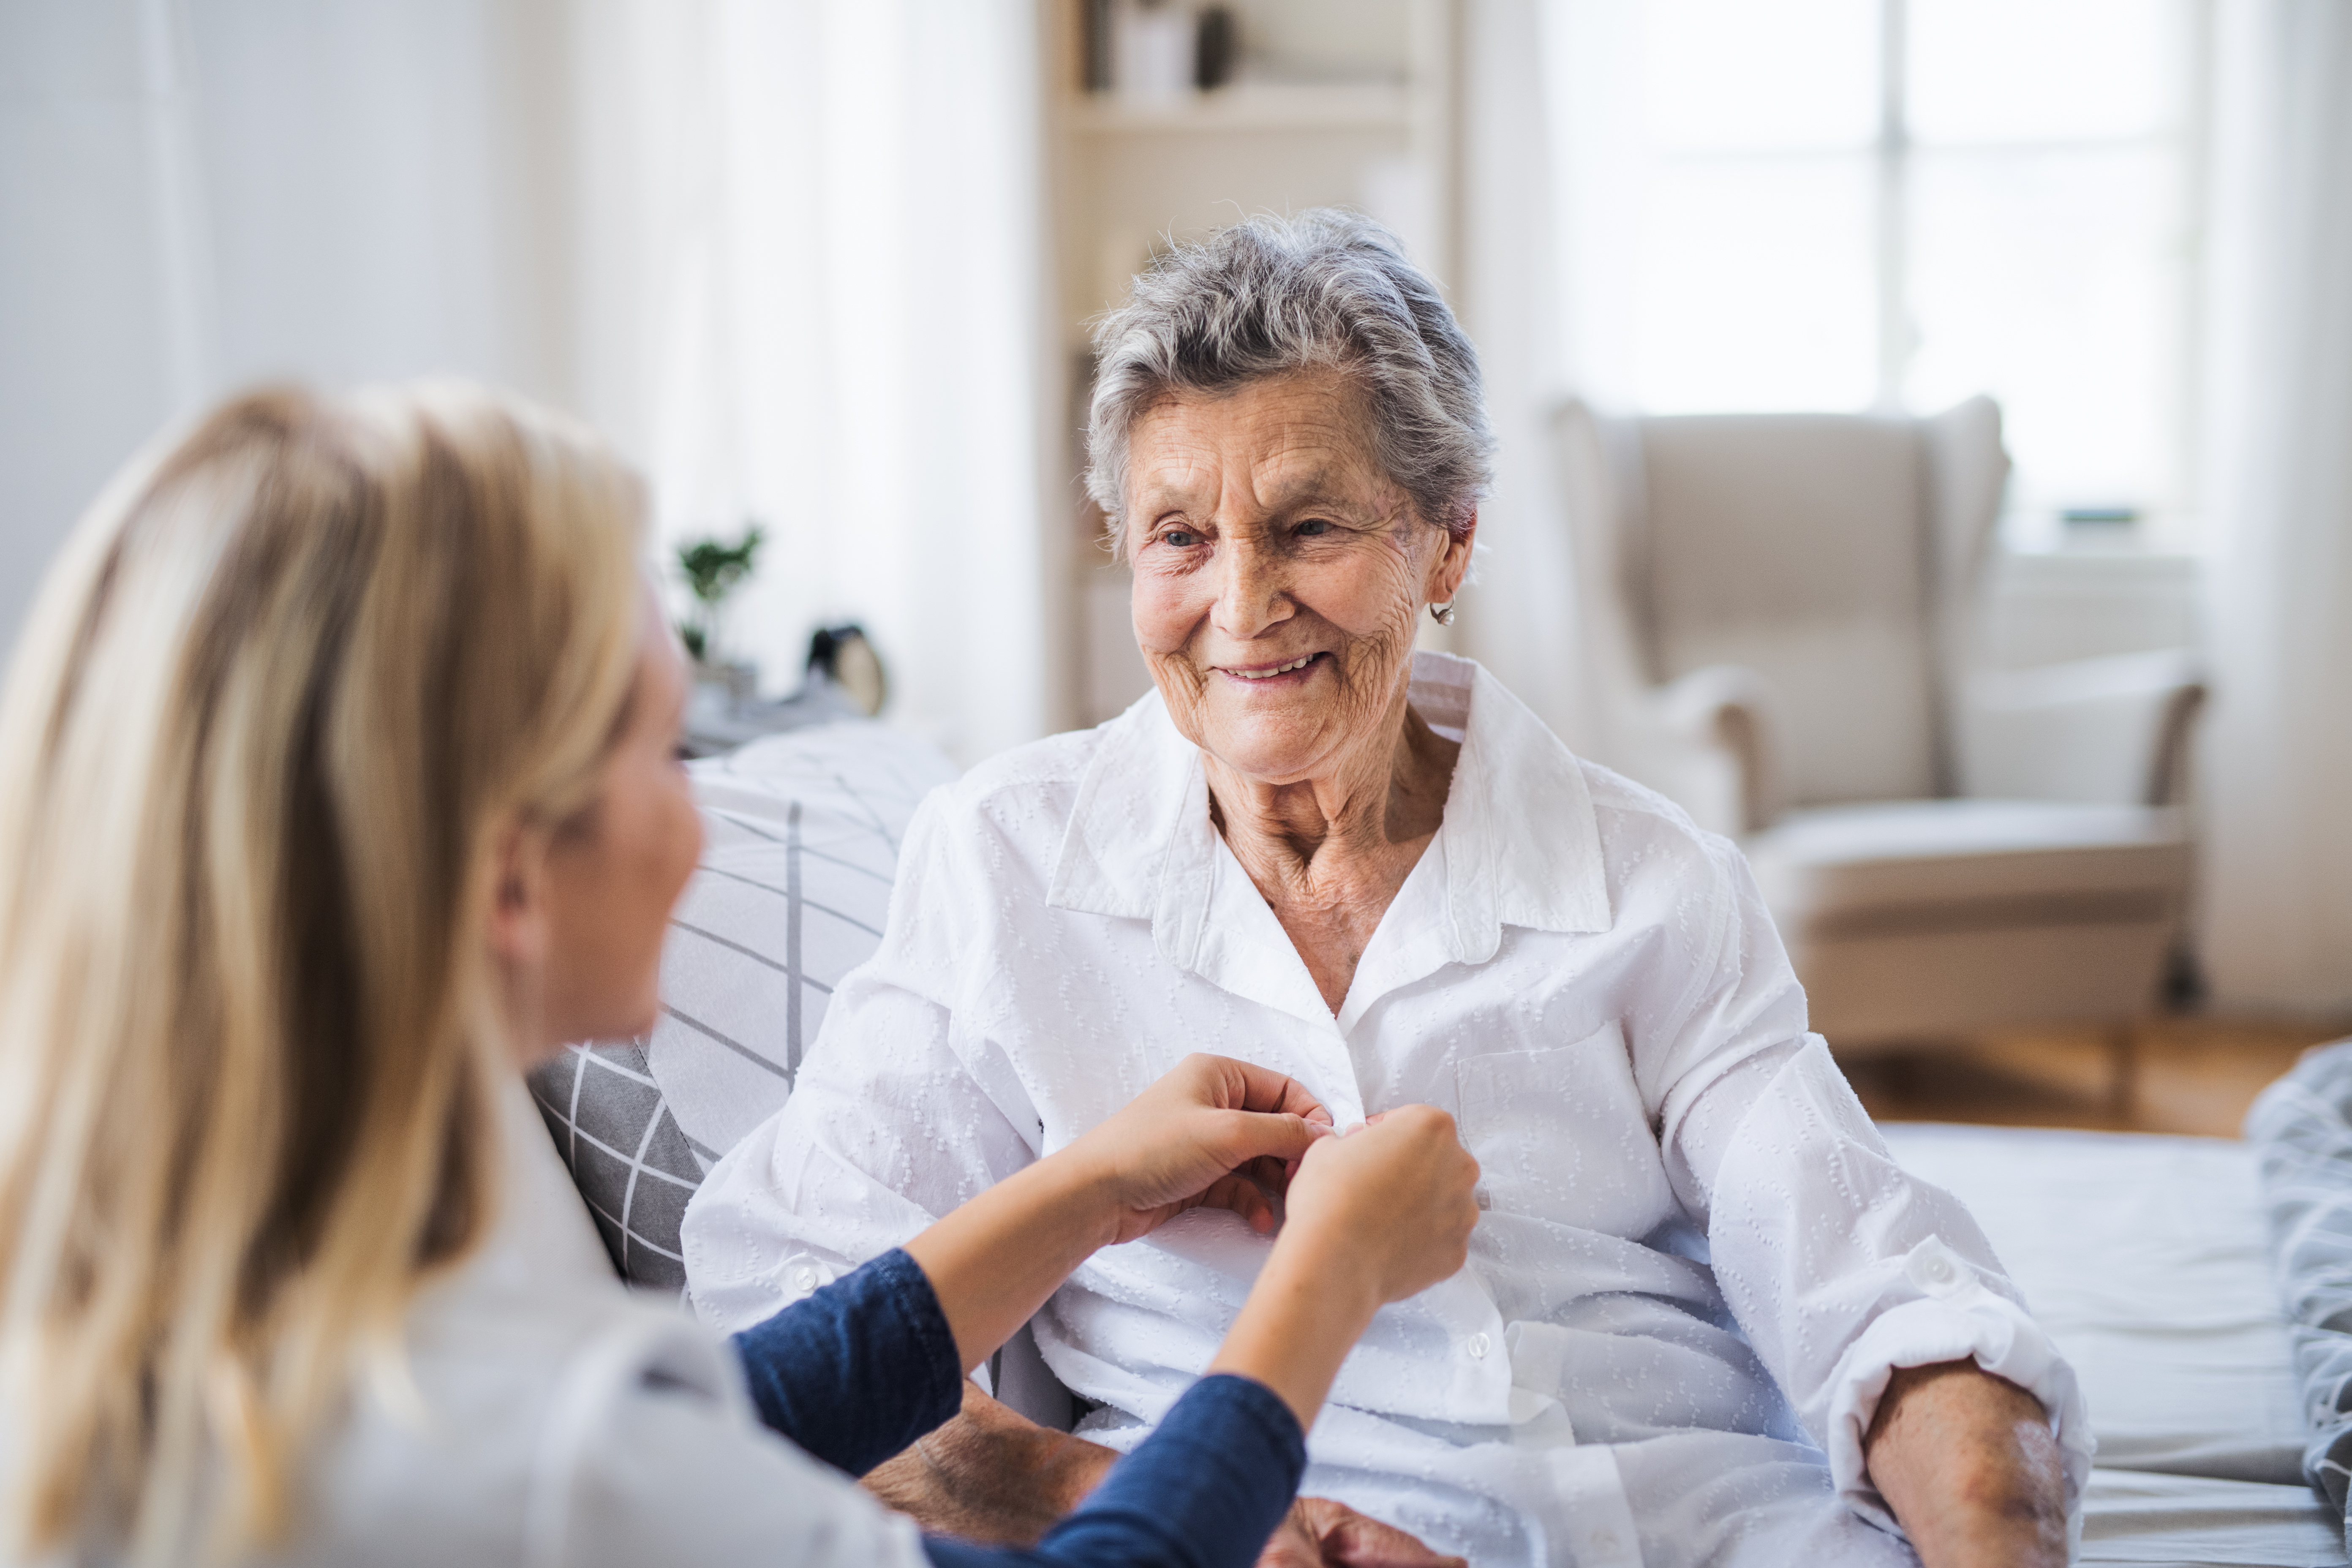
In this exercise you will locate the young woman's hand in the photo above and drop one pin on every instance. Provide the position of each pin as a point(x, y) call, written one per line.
point(1376, 1216)
point(1209, 1132)
point(1213, 1131)
point(1392, 1202)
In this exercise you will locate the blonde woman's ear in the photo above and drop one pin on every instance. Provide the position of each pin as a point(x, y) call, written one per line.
point(517, 927)
point(520, 940)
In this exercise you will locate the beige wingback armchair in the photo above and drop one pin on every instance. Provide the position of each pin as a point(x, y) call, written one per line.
point(1785, 608)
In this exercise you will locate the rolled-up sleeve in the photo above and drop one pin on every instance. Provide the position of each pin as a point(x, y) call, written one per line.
point(1839, 1267)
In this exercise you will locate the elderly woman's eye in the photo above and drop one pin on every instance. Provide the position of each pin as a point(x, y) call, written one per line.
point(1313, 528)
point(1182, 538)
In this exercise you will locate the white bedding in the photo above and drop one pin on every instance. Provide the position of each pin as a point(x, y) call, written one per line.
point(2146, 1258)
point(2139, 1518)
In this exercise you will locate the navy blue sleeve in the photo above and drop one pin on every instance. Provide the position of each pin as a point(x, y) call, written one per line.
point(860, 1369)
point(1205, 1491)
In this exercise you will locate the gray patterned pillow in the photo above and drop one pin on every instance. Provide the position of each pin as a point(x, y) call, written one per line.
point(2301, 1127)
point(802, 840)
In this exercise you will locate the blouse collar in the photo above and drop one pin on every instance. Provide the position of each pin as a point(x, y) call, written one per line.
point(1140, 844)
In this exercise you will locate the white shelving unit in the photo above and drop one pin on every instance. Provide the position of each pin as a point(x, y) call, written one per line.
point(1367, 122)
point(1249, 105)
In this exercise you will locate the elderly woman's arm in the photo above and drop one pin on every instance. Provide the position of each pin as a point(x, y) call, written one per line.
point(1968, 1462)
point(1873, 1299)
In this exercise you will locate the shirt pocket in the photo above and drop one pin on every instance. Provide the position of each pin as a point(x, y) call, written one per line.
point(1560, 1134)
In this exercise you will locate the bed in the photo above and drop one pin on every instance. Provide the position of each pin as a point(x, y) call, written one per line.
point(2146, 1256)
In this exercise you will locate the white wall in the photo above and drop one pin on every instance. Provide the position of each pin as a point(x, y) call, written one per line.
point(197, 195)
point(368, 179)
point(86, 306)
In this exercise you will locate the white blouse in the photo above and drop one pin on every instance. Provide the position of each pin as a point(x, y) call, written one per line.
point(1698, 1263)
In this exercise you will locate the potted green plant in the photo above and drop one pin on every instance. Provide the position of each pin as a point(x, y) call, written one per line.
point(713, 569)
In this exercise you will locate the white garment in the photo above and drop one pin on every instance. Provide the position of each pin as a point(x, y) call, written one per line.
point(1689, 1214)
point(553, 1419)
point(582, 1429)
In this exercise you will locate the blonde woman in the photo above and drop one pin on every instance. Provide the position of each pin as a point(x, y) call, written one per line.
point(337, 780)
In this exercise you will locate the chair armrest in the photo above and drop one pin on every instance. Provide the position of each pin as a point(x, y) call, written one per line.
point(2113, 731)
point(1731, 710)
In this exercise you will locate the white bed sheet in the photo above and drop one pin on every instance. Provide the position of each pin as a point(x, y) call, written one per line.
point(2146, 1258)
point(2139, 1518)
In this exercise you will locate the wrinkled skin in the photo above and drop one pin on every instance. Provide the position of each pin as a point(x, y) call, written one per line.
point(1263, 533)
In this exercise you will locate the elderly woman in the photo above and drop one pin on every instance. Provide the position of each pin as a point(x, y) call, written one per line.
point(1705, 1319)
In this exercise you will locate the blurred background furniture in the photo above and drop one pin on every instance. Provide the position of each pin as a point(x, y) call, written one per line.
point(1784, 608)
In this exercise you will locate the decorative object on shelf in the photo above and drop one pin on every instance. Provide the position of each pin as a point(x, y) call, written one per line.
point(1216, 47)
point(843, 655)
point(1151, 51)
point(1094, 46)
point(1094, 51)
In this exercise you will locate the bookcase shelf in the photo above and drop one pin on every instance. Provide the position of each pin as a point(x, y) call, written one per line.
point(1248, 107)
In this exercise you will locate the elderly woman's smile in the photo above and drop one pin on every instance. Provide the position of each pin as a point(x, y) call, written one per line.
point(1278, 575)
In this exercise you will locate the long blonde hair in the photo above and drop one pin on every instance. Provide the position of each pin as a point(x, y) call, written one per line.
point(294, 675)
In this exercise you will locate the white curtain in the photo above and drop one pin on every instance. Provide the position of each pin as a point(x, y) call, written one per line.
point(1518, 616)
point(810, 295)
point(2278, 768)
point(1547, 184)
point(788, 252)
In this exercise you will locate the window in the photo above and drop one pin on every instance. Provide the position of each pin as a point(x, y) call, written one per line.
point(1896, 204)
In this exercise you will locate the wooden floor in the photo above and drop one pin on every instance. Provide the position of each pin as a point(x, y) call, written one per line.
point(2193, 1075)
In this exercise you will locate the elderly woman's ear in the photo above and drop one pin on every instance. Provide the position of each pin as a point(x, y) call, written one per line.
point(1450, 567)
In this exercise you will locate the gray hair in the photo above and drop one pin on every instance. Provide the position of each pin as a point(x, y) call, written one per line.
point(1270, 296)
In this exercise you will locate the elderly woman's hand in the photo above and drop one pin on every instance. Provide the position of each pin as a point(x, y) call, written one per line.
point(1213, 1132)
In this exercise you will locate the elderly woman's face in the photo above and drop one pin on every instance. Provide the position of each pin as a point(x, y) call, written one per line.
point(1278, 573)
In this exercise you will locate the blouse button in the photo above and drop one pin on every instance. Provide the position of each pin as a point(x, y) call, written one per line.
point(1476, 1345)
point(1931, 1269)
point(804, 1278)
